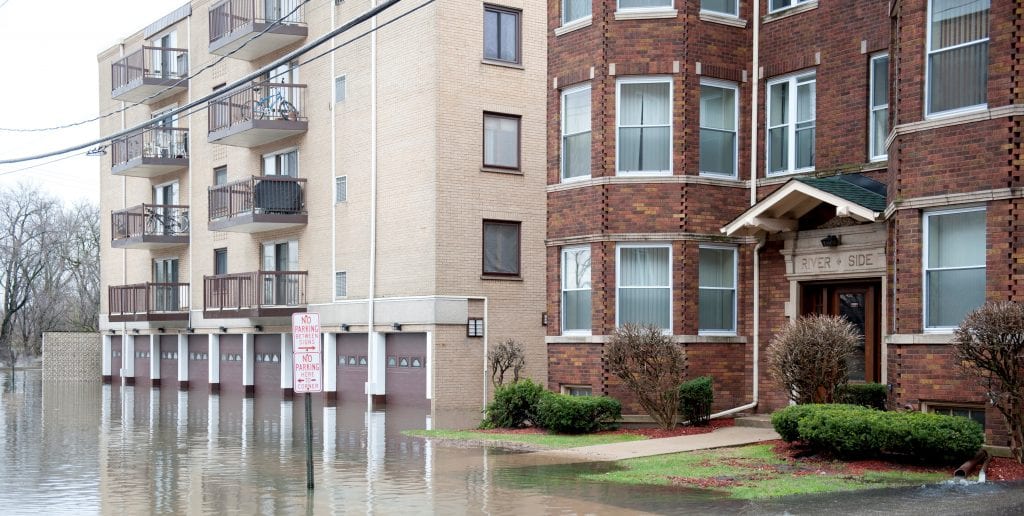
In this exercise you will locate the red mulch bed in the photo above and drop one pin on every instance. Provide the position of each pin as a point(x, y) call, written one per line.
point(1005, 470)
point(650, 433)
point(796, 453)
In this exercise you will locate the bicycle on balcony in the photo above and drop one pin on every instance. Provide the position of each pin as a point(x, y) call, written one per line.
point(166, 221)
point(273, 106)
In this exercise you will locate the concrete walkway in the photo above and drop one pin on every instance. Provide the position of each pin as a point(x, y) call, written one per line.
point(721, 438)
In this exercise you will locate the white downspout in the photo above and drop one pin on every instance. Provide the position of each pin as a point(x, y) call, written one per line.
point(486, 330)
point(372, 293)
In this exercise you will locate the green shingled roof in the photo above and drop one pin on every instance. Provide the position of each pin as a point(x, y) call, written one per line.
point(849, 191)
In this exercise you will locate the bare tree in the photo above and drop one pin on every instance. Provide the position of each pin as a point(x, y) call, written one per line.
point(508, 355)
point(651, 366)
point(80, 260)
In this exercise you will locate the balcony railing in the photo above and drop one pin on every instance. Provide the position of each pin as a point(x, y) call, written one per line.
point(150, 226)
point(254, 294)
point(162, 149)
point(144, 75)
point(262, 101)
point(234, 15)
point(267, 202)
point(148, 302)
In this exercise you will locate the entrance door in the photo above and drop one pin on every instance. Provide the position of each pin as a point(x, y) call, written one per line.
point(280, 289)
point(165, 290)
point(860, 303)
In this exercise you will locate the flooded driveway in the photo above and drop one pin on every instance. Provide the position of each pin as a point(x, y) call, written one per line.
point(90, 448)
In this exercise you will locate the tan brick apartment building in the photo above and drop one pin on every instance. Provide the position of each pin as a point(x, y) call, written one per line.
point(395, 186)
point(718, 167)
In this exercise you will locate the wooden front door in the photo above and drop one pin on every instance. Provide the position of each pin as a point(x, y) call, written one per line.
point(860, 303)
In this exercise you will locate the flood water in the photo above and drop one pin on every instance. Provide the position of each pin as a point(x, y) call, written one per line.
point(90, 448)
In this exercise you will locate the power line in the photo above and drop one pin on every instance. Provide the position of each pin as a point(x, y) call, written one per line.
point(37, 165)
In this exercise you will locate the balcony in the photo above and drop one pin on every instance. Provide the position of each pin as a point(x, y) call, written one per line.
point(258, 204)
point(257, 115)
point(148, 302)
point(254, 294)
point(254, 28)
point(152, 152)
point(149, 226)
point(149, 75)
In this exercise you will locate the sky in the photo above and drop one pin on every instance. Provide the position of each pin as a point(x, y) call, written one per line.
point(48, 57)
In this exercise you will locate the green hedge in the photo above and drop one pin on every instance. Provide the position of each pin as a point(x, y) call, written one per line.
point(871, 395)
point(695, 398)
point(577, 414)
point(850, 431)
point(514, 405)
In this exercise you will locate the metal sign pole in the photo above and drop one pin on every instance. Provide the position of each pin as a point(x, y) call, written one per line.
point(309, 441)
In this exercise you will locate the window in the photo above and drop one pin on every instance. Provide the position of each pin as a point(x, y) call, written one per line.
point(576, 289)
point(573, 10)
point(726, 7)
point(501, 34)
point(475, 327)
point(718, 121)
point(339, 88)
point(340, 284)
point(717, 299)
point(341, 189)
point(576, 133)
point(220, 261)
point(644, 293)
point(220, 175)
point(878, 107)
point(957, 76)
point(577, 390)
point(974, 413)
point(645, 4)
point(779, 5)
point(501, 141)
point(954, 266)
point(281, 164)
point(501, 248)
point(791, 114)
point(644, 112)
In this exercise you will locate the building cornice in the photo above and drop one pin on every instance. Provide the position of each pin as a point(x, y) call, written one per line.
point(615, 180)
point(934, 201)
point(646, 237)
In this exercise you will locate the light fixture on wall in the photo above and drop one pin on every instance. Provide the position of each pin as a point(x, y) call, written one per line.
point(190, 330)
point(223, 329)
point(258, 327)
point(112, 332)
point(396, 326)
point(161, 330)
point(135, 331)
point(831, 241)
point(344, 327)
point(543, 318)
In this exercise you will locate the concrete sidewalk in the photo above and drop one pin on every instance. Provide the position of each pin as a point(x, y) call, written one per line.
point(721, 438)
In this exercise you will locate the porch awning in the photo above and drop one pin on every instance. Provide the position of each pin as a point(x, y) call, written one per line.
point(852, 195)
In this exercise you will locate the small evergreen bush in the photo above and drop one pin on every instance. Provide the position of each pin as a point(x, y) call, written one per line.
point(871, 395)
point(566, 414)
point(514, 405)
point(786, 421)
point(695, 398)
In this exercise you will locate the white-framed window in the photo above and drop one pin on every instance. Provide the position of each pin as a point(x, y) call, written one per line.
point(339, 88)
point(576, 290)
point(644, 5)
point(573, 10)
point(643, 275)
point(782, 5)
point(954, 266)
point(643, 111)
point(577, 390)
point(716, 303)
point(878, 107)
point(957, 67)
point(719, 118)
point(281, 163)
point(340, 189)
point(280, 289)
point(726, 7)
point(576, 133)
point(791, 122)
point(340, 284)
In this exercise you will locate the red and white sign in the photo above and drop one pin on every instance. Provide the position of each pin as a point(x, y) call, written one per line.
point(308, 373)
point(305, 332)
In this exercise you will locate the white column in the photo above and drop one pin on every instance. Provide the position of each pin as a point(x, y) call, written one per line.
point(182, 359)
point(154, 357)
point(376, 363)
point(127, 357)
point(106, 356)
point(429, 359)
point(248, 346)
point(330, 362)
point(214, 362)
point(286, 361)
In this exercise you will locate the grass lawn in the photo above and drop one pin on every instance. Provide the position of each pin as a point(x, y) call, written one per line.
point(532, 440)
point(753, 472)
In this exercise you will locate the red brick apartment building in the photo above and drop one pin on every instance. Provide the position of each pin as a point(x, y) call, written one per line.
point(718, 167)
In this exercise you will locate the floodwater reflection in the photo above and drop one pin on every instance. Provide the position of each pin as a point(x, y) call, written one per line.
point(88, 448)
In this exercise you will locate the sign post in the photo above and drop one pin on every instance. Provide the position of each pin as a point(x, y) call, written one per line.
point(308, 373)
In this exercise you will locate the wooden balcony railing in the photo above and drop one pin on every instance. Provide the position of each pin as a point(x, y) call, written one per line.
point(281, 195)
point(261, 101)
point(254, 291)
point(144, 220)
point(148, 301)
point(149, 63)
point(231, 15)
point(152, 142)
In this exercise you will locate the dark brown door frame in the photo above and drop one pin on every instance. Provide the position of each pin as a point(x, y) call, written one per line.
point(823, 297)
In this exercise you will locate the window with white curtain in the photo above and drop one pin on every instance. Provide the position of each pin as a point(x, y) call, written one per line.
point(501, 247)
point(281, 164)
point(501, 141)
point(791, 123)
point(957, 76)
point(644, 116)
point(576, 132)
point(718, 121)
point(644, 280)
point(779, 5)
point(573, 10)
point(716, 303)
point(644, 4)
point(576, 289)
point(878, 107)
point(501, 34)
point(954, 266)
point(727, 7)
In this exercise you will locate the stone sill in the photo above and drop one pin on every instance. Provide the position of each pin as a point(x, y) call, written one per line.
point(509, 171)
point(724, 19)
point(966, 117)
point(901, 339)
point(790, 11)
point(574, 25)
point(491, 277)
point(649, 14)
point(678, 339)
point(502, 64)
point(631, 179)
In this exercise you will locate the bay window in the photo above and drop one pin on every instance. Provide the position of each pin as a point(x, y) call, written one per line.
point(644, 280)
point(957, 76)
point(576, 133)
point(644, 118)
point(718, 121)
point(576, 299)
point(878, 107)
point(791, 124)
point(717, 292)
point(954, 266)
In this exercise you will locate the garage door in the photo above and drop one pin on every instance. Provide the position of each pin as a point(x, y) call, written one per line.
point(142, 362)
point(198, 362)
point(115, 360)
point(168, 360)
point(352, 370)
point(267, 369)
point(405, 374)
point(231, 364)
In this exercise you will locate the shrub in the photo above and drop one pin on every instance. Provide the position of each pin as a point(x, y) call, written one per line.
point(695, 398)
point(786, 421)
point(505, 356)
point(650, 366)
point(808, 357)
point(514, 405)
point(871, 395)
point(577, 414)
point(989, 345)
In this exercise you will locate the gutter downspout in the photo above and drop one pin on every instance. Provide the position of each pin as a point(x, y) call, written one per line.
point(372, 294)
